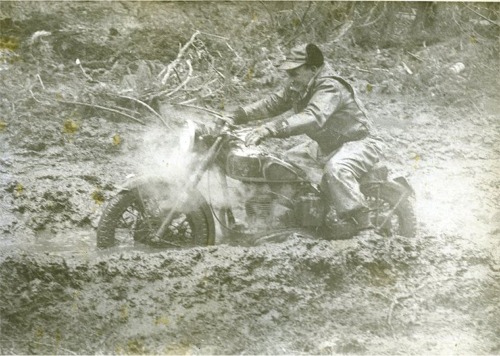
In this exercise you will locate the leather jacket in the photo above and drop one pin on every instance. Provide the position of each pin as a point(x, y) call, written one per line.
point(327, 111)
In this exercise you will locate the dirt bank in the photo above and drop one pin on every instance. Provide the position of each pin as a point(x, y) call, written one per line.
point(300, 296)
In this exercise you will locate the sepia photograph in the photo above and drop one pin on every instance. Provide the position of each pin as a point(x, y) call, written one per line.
point(249, 177)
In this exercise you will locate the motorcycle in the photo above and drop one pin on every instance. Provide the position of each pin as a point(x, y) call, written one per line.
point(278, 196)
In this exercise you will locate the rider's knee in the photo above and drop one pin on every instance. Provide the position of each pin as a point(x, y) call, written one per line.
point(336, 173)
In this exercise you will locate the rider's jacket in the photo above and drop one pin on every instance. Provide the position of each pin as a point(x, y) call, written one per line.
point(327, 110)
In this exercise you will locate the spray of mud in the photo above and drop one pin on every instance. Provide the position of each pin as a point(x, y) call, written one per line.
point(163, 153)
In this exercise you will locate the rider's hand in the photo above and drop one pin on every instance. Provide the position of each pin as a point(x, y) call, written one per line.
point(239, 116)
point(224, 120)
point(257, 135)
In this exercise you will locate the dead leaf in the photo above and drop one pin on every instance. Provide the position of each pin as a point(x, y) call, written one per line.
point(19, 189)
point(70, 126)
point(98, 197)
point(117, 140)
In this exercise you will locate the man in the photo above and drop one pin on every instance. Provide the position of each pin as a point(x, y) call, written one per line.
point(325, 109)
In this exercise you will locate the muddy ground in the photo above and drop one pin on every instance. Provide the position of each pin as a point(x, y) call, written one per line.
point(436, 294)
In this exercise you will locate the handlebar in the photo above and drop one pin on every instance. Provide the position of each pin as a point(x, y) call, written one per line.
point(224, 127)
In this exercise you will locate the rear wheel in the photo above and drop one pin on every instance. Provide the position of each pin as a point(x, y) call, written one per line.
point(391, 211)
point(136, 215)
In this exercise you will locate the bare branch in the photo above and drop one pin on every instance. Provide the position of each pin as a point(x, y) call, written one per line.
point(482, 16)
point(213, 112)
point(304, 16)
point(167, 93)
point(171, 66)
point(231, 48)
point(188, 78)
point(415, 56)
point(79, 64)
point(343, 30)
point(40, 80)
point(146, 106)
point(103, 108)
point(367, 23)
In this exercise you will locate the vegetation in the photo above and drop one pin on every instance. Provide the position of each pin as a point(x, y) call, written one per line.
point(180, 52)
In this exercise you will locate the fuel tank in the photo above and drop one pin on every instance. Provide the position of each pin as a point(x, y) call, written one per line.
point(249, 164)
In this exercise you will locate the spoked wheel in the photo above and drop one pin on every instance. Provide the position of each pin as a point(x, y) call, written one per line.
point(136, 215)
point(391, 213)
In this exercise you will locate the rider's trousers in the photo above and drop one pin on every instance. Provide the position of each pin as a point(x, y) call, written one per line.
point(342, 169)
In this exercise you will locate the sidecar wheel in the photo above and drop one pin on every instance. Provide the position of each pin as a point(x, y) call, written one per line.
point(381, 200)
point(135, 215)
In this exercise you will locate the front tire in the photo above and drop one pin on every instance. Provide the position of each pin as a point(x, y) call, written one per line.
point(135, 215)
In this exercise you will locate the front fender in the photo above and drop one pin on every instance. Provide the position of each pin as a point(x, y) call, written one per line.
point(134, 181)
point(174, 189)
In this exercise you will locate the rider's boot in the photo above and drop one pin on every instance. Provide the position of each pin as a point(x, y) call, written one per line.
point(361, 218)
point(365, 229)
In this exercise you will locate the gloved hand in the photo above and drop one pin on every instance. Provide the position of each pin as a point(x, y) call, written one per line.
point(257, 135)
point(239, 116)
point(224, 120)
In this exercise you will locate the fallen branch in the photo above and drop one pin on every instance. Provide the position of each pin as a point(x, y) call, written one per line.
point(364, 70)
point(406, 68)
point(102, 108)
point(343, 30)
point(148, 107)
point(211, 62)
point(33, 96)
point(231, 48)
point(303, 18)
point(370, 13)
point(366, 24)
point(188, 78)
point(213, 112)
point(119, 108)
point(415, 56)
point(78, 63)
point(187, 101)
point(482, 16)
point(171, 66)
point(167, 93)
point(201, 86)
point(40, 80)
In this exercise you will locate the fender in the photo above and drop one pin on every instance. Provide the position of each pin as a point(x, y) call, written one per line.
point(132, 181)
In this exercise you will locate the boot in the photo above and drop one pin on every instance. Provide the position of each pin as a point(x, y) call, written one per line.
point(362, 219)
point(365, 234)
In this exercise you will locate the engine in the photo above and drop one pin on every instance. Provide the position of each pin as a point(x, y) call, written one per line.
point(277, 193)
point(274, 206)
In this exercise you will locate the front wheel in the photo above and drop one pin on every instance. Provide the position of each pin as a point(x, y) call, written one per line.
point(391, 211)
point(135, 215)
